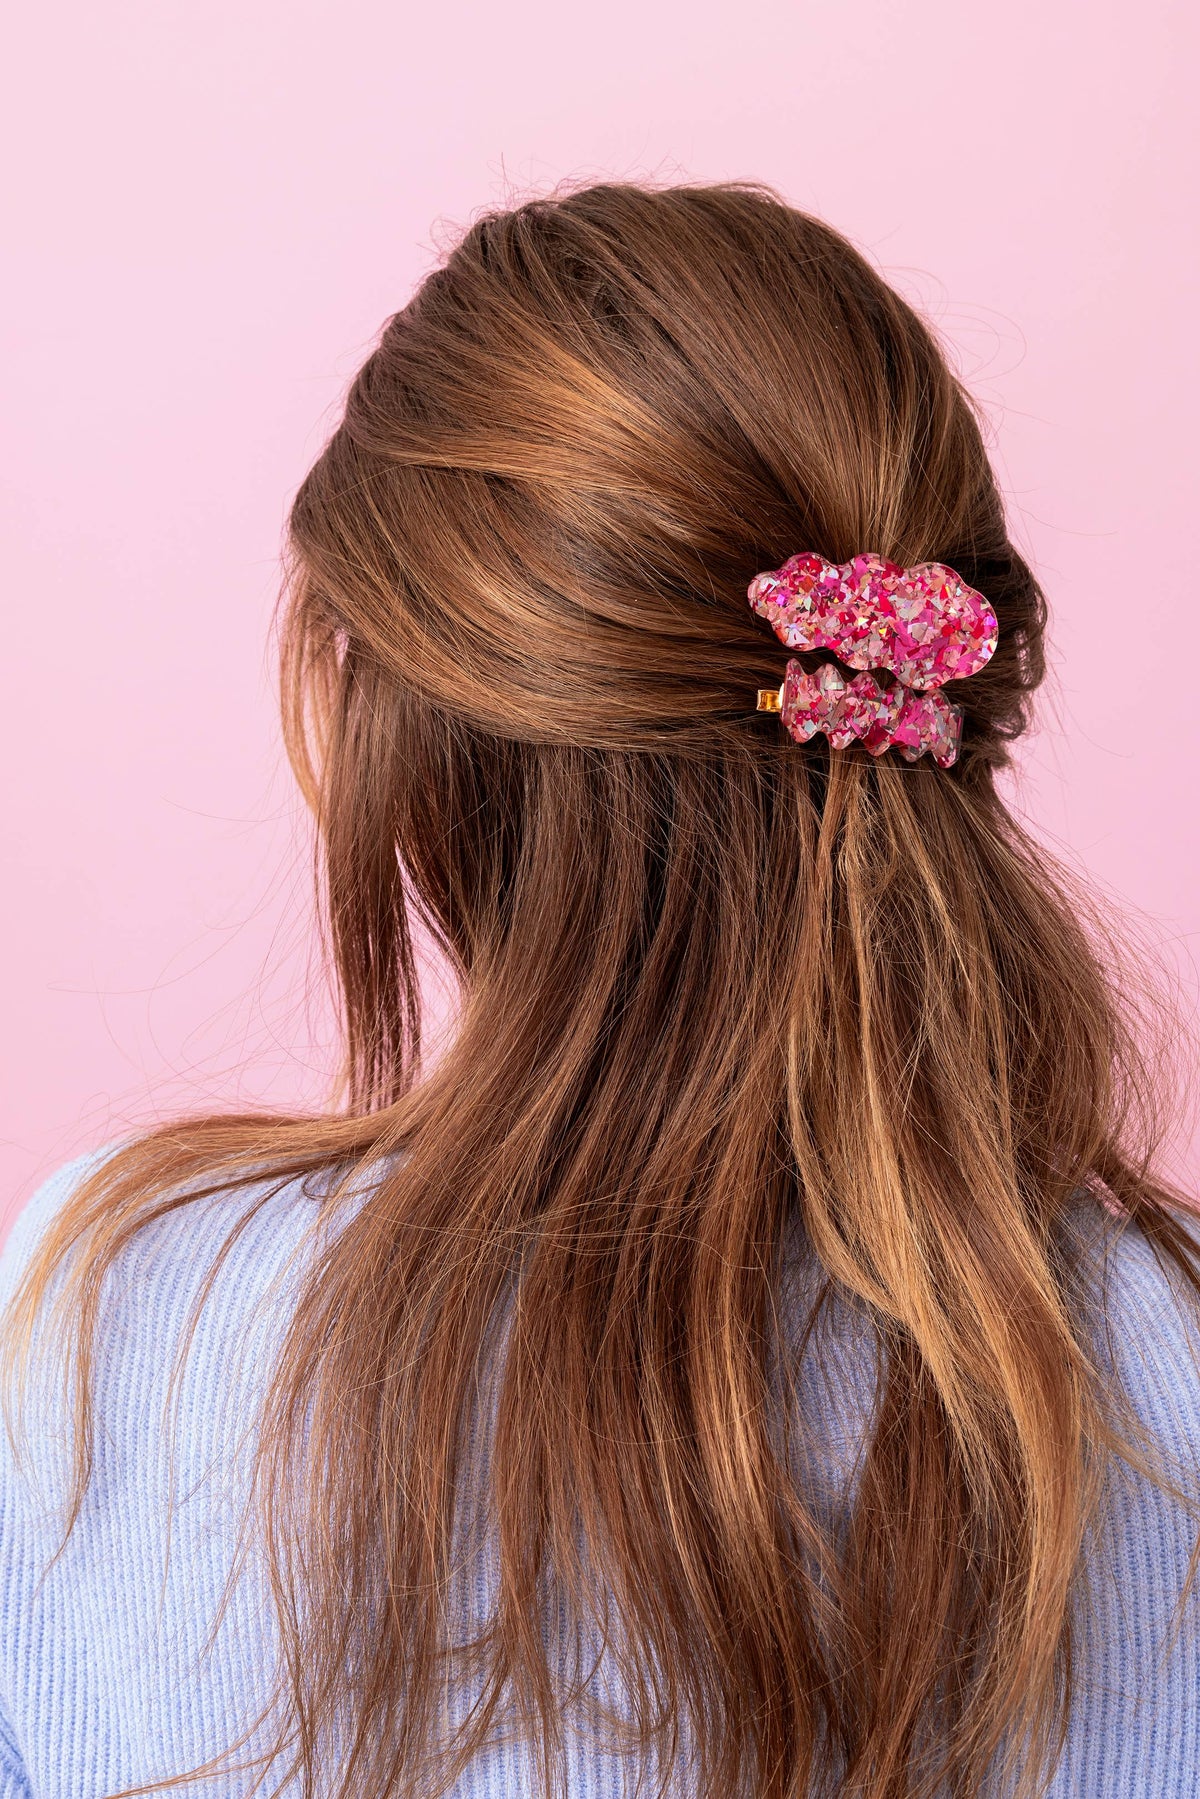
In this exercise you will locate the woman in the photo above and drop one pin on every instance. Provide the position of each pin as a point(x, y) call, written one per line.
point(757, 1357)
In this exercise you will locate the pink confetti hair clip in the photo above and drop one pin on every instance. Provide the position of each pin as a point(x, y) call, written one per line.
point(924, 625)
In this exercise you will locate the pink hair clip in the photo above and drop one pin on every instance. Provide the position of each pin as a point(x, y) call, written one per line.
point(923, 624)
point(877, 716)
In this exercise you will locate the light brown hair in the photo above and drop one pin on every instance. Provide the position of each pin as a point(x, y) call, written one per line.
point(721, 992)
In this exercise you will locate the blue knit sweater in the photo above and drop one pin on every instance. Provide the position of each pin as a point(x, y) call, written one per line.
point(106, 1680)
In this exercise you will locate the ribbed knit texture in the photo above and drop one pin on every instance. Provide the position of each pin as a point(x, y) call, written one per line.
point(104, 1679)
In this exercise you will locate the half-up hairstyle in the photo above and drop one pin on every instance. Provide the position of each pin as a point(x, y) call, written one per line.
point(742, 1020)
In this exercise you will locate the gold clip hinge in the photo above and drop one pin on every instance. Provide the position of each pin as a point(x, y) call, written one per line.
point(770, 699)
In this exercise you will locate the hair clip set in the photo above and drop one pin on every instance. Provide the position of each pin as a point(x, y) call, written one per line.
point(924, 625)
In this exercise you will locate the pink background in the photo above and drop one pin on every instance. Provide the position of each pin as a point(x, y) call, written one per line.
point(214, 208)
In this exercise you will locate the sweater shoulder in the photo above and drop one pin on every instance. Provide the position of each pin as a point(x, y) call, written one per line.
point(150, 1619)
point(163, 1266)
point(1144, 1322)
point(1135, 1722)
point(191, 1315)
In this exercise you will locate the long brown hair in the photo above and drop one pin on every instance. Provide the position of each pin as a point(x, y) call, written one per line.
point(722, 994)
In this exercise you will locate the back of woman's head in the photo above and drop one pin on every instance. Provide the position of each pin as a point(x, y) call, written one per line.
point(723, 993)
point(522, 564)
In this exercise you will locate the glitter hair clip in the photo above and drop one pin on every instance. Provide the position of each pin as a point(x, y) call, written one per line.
point(922, 624)
point(878, 716)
